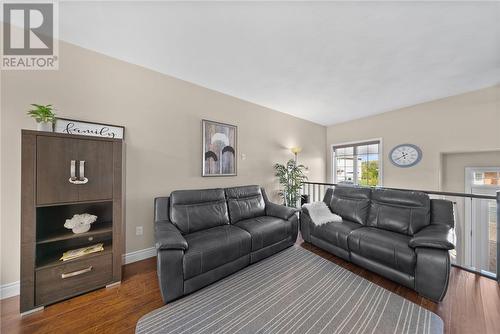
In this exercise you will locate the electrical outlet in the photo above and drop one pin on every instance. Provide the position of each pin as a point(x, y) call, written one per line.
point(138, 230)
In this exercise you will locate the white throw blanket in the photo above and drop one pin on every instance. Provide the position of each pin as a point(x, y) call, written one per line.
point(320, 213)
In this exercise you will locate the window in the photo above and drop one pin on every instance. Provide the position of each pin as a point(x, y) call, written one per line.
point(357, 163)
point(487, 178)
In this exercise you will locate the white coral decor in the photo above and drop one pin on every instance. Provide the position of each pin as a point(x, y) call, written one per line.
point(80, 223)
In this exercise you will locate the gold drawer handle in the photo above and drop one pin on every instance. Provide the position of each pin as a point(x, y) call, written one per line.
point(76, 273)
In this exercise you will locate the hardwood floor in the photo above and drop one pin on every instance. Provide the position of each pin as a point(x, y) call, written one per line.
point(472, 304)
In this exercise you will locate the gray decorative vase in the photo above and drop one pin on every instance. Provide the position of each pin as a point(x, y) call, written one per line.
point(44, 126)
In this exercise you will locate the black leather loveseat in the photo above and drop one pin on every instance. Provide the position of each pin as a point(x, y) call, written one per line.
point(204, 235)
point(402, 235)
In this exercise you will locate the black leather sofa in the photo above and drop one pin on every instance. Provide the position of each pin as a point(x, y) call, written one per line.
point(204, 235)
point(402, 235)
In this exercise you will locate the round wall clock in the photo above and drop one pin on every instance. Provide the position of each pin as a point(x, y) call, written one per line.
point(405, 155)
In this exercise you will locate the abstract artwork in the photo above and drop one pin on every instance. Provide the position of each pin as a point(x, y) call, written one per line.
point(219, 149)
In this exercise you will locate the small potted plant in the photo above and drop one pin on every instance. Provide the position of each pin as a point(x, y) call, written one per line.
point(44, 116)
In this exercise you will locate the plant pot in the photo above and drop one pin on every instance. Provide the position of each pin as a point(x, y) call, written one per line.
point(44, 126)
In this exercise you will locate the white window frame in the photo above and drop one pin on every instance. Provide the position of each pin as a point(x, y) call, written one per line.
point(359, 142)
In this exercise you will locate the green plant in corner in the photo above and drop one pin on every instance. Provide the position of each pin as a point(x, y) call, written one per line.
point(290, 177)
point(42, 114)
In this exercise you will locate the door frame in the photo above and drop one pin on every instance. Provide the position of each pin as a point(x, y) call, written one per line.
point(470, 256)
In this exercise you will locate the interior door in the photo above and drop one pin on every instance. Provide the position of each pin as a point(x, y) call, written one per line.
point(481, 215)
point(98, 169)
point(484, 231)
point(54, 156)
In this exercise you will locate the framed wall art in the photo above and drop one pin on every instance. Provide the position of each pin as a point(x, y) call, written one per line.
point(219, 149)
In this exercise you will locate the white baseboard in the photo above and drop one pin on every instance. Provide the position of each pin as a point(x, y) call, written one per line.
point(9, 290)
point(12, 289)
point(139, 255)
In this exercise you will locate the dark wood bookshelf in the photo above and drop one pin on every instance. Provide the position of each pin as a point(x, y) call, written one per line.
point(61, 176)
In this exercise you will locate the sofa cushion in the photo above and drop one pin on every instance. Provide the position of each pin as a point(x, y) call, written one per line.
point(211, 248)
point(336, 233)
point(385, 247)
point(245, 202)
point(399, 211)
point(351, 203)
point(266, 230)
point(195, 210)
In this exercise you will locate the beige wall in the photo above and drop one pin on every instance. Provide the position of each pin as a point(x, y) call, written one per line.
point(454, 164)
point(467, 122)
point(162, 116)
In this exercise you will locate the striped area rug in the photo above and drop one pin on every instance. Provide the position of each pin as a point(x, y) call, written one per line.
point(295, 292)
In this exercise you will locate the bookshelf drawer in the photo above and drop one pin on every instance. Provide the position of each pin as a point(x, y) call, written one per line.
point(73, 278)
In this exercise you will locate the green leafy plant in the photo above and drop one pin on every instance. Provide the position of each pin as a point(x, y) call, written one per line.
point(290, 177)
point(42, 114)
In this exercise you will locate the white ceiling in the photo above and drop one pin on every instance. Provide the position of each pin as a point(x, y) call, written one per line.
point(327, 62)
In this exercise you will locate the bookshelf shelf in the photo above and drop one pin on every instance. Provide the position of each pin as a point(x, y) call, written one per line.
point(53, 259)
point(96, 229)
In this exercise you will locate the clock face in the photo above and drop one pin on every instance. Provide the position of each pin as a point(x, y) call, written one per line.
point(405, 155)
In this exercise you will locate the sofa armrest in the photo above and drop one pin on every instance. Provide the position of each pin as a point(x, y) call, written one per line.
point(306, 225)
point(305, 209)
point(167, 236)
point(170, 273)
point(432, 272)
point(279, 211)
point(434, 236)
